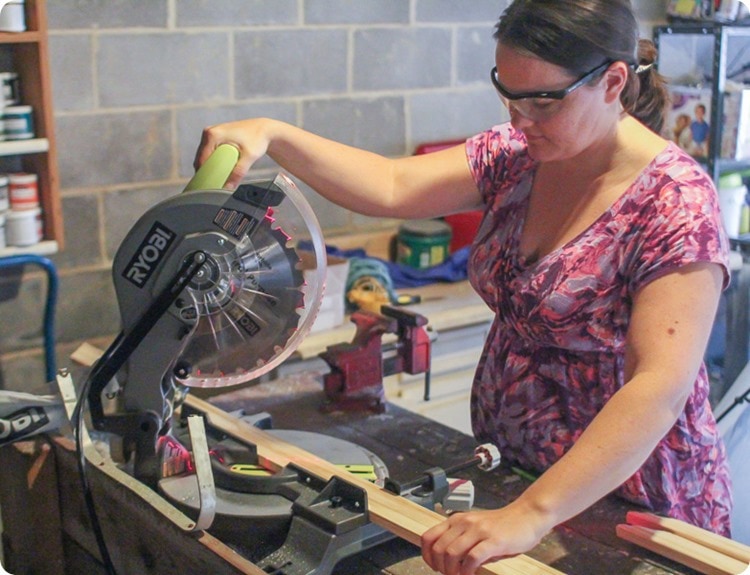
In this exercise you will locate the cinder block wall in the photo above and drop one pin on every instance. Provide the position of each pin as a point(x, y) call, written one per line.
point(135, 81)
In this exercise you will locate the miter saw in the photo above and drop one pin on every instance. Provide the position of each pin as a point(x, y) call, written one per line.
point(212, 293)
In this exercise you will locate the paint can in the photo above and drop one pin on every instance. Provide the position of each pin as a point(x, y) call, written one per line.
point(422, 244)
point(23, 227)
point(9, 89)
point(23, 191)
point(12, 16)
point(18, 122)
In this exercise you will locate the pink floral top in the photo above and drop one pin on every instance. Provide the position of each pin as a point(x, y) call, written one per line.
point(556, 351)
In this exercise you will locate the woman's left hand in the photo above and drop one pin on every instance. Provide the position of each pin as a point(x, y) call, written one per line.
point(465, 541)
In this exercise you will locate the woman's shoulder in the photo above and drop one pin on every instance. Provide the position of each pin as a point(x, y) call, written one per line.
point(498, 157)
point(498, 140)
point(674, 174)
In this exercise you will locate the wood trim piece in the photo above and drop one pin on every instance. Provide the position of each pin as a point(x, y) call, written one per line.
point(724, 545)
point(684, 551)
point(398, 515)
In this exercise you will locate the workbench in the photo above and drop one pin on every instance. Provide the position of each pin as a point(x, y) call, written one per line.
point(47, 529)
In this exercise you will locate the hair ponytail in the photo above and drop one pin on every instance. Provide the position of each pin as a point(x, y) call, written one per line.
point(645, 96)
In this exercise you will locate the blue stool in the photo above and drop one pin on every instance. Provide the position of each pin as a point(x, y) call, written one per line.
point(49, 308)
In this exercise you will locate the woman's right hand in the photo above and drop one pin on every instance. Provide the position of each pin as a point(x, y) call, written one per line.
point(251, 137)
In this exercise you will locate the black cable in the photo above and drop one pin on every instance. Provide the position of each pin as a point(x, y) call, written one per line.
point(745, 397)
point(77, 421)
point(103, 371)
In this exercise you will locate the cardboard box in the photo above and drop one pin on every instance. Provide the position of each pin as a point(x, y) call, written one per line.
point(688, 119)
point(333, 305)
point(735, 140)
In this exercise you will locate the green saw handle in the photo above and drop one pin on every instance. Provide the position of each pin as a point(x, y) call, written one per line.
point(213, 174)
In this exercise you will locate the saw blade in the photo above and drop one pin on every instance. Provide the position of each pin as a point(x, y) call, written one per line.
point(248, 299)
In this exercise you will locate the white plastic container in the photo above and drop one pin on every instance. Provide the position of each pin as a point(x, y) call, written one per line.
point(12, 16)
point(732, 194)
point(23, 227)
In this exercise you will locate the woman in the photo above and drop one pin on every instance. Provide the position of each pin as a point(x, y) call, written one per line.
point(603, 255)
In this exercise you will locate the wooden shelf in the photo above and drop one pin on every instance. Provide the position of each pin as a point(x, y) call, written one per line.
point(44, 248)
point(19, 37)
point(19, 147)
point(28, 53)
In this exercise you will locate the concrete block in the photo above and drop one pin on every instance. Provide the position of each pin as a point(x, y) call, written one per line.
point(123, 208)
point(404, 58)
point(105, 149)
point(330, 216)
point(290, 62)
point(72, 14)
point(22, 317)
point(205, 13)
point(353, 12)
point(87, 307)
point(452, 11)
point(159, 69)
point(71, 68)
point(82, 244)
point(475, 55)
point(377, 125)
point(442, 116)
point(191, 122)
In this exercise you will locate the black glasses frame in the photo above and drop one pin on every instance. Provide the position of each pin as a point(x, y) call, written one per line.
point(551, 94)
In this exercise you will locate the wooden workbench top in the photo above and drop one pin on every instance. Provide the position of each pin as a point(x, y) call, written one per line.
point(408, 444)
point(46, 523)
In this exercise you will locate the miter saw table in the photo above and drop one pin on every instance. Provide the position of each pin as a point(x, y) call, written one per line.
point(47, 529)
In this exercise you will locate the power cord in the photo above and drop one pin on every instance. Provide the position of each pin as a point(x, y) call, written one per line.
point(77, 422)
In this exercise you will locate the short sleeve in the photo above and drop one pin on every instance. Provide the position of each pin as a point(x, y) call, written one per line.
point(680, 226)
point(496, 158)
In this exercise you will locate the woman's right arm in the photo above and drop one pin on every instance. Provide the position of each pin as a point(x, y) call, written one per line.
point(422, 186)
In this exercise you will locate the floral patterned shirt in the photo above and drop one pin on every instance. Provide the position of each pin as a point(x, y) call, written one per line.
point(556, 351)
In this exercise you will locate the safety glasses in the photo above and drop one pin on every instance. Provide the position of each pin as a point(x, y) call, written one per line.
point(544, 104)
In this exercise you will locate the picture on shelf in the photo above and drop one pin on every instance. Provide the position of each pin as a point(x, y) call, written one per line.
point(687, 122)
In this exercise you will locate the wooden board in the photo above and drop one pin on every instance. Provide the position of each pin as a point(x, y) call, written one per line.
point(682, 550)
point(690, 532)
point(394, 513)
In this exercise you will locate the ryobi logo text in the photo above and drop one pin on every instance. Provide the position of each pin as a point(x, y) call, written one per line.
point(22, 422)
point(149, 254)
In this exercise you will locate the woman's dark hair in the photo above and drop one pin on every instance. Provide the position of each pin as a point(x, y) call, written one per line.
point(579, 35)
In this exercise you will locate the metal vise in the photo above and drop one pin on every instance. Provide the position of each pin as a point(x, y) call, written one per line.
point(355, 381)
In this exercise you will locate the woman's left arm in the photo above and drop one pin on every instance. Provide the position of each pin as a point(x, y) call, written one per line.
point(669, 329)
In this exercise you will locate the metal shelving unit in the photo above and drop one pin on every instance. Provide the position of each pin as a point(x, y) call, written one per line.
point(724, 40)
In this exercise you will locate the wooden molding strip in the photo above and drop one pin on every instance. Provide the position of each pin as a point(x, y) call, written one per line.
point(681, 550)
point(398, 515)
point(701, 536)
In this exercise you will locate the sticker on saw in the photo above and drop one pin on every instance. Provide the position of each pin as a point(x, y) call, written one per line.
point(149, 255)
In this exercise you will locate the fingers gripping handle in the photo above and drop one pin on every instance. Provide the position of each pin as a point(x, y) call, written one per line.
point(215, 171)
